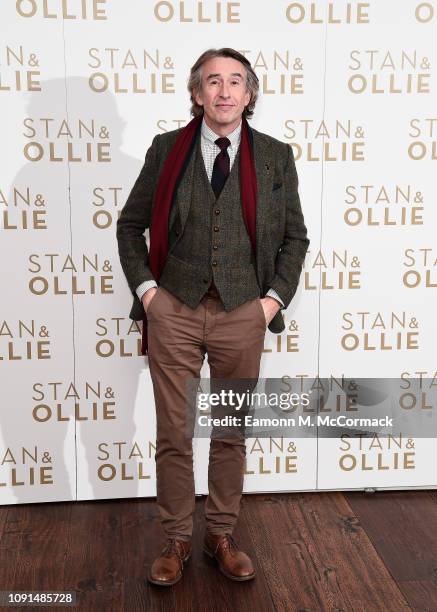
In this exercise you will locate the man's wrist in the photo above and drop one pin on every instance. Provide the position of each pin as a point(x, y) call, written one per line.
point(145, 286)
point(272, 293)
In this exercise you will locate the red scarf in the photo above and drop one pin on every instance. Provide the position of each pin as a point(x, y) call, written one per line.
point(167, 181)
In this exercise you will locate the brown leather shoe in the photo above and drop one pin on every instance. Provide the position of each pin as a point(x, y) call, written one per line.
point(232, 562)
point(167, 568)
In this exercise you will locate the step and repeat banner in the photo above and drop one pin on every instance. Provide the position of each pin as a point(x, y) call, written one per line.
point(84, 87)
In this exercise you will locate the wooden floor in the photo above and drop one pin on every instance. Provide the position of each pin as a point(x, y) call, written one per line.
point(313, 551)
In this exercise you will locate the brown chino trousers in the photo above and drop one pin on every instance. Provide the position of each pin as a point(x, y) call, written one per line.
point(178, 338)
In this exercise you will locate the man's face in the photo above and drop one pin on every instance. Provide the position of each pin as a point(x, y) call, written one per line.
point(223, 94)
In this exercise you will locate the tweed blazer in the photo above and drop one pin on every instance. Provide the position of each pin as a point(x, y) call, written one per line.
point(281, 234)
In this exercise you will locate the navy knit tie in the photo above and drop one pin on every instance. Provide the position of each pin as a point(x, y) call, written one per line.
point(220, 171)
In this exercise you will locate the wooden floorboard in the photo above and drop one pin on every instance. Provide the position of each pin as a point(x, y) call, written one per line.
point(402, 527)
point(347, 551)
point(317, 556)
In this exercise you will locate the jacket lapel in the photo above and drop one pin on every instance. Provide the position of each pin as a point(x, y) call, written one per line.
point(186, 186)
point(183, 188)
point(264, 168)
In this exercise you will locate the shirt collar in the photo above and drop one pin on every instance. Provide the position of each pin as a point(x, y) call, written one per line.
point(211, 136)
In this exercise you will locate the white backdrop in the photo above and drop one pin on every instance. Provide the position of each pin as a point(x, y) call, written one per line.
point(84, 86)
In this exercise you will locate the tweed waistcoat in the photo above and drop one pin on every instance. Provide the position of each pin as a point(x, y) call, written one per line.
point(214, 245)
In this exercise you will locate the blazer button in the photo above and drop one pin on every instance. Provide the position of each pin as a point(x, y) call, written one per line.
point(216, 228)
point(177, 232)
point(214, 263)
point(215, 247)
point(217, 211)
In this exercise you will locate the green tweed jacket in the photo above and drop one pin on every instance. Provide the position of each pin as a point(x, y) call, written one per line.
point(281, 234)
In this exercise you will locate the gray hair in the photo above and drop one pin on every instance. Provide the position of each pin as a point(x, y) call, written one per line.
point(195, 79)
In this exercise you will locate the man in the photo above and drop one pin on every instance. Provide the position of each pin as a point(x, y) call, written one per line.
point(227, 245)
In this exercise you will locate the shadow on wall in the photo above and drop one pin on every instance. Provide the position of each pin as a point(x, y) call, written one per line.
point(72, 140)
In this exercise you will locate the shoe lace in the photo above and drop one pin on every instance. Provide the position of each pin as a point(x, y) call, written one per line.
point(172, 548)
point(229, 543)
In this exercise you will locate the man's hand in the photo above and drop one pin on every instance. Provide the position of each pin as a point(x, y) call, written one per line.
point(270, 307)
point(148, 297)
